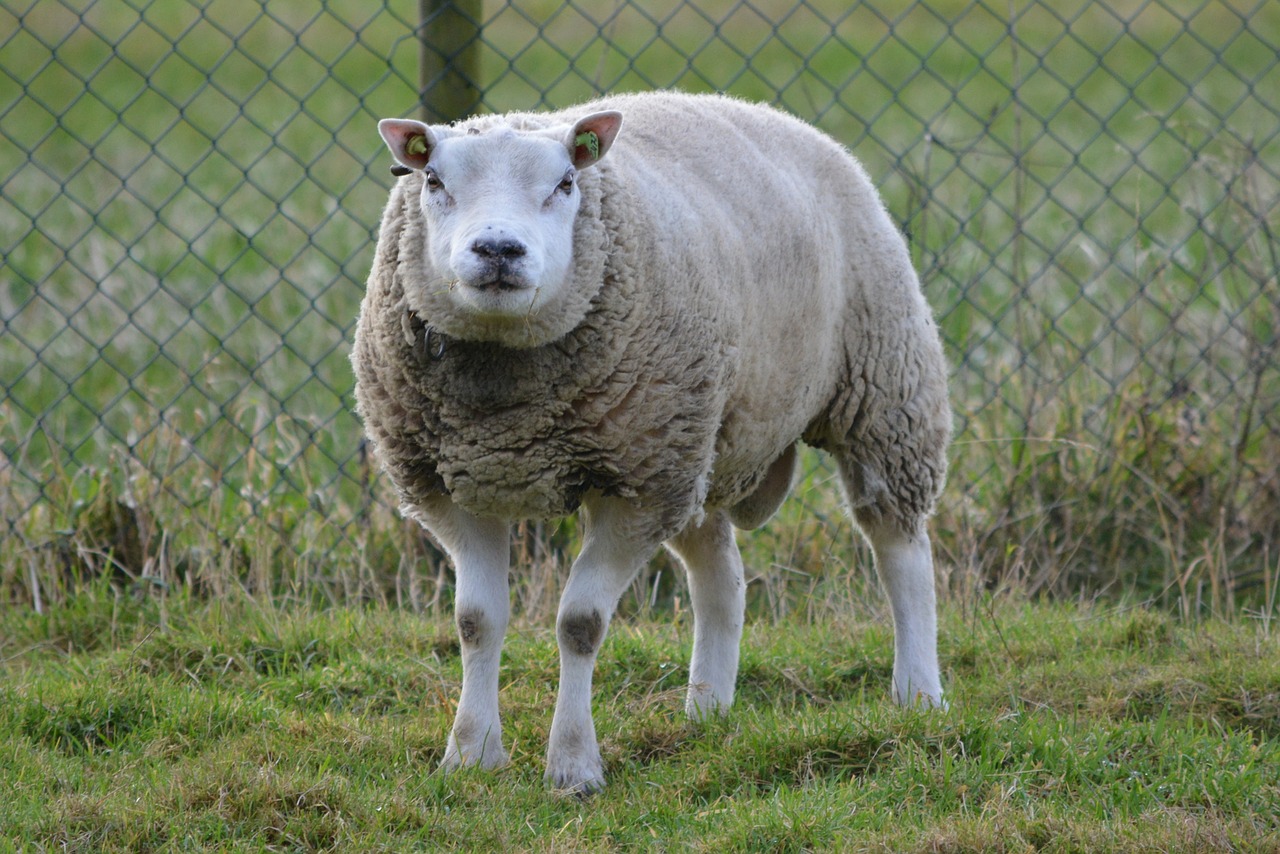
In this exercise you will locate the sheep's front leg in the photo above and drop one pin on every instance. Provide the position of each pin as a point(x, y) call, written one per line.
point(717, 589)
point(481, 553)
point(611, 555)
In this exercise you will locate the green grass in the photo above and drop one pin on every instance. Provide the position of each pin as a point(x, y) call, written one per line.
point(162, 723)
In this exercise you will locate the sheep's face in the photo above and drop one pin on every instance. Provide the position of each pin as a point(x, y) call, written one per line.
point(499, 208)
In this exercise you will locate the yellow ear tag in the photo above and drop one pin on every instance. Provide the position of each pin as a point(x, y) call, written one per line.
point(416, 145)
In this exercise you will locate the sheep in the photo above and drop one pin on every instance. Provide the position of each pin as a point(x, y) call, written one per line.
point(643, 324)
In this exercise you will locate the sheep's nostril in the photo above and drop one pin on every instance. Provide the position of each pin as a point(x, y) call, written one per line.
point(500, 250)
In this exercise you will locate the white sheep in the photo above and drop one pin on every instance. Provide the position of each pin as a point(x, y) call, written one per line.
point(646, 336)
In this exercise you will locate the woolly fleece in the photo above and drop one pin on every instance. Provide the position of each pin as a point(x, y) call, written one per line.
point(738, 286)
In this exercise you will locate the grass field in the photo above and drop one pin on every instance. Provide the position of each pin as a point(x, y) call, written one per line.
point(215, 631)
point(158, 724)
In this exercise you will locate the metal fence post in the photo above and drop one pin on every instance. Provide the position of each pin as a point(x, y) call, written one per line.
point(449, 59)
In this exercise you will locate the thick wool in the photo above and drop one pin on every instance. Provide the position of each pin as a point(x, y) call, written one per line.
point(738, 286)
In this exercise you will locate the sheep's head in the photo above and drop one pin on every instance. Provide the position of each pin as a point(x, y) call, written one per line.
point(499, 208)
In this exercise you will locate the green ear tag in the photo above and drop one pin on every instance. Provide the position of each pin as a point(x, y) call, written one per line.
point(589, 139)
point(416, 145)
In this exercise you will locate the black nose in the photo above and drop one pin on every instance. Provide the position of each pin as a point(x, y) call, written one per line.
point(499, 250)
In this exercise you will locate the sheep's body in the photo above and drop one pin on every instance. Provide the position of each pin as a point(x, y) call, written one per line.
point(736, 286)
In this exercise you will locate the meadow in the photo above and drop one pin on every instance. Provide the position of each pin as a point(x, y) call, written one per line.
point(163, 724)
point(216, 629)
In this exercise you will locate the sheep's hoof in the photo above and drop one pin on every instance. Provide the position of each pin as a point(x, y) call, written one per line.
point(487, 756)
point(702, 704)
point(581, 779)
point(938, 704)
point(928, 702)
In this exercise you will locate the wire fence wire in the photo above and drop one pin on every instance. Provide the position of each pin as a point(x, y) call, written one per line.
point(189, 197)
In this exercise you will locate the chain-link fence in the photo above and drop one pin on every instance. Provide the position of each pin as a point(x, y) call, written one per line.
point(189, 195)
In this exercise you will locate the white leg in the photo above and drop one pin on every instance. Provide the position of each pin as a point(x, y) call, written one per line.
point(718, 592)
point(611, 556)
point(481, 553)
point(905, 565)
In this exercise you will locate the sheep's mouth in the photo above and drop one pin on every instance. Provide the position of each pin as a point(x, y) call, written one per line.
point(499, 284)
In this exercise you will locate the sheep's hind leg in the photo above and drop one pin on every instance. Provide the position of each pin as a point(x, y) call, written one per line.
point(611, 555)
point(480, 549)
point(718, 592)
point(904, 562)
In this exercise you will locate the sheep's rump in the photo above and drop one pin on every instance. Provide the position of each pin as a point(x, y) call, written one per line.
point(746, 288)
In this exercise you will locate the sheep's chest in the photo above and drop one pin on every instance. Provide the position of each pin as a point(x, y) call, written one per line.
point(517, 433)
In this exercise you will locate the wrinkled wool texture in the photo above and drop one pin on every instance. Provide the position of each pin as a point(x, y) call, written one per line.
point(738, 286)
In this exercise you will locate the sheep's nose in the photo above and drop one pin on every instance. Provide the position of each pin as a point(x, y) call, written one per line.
point(499, 250)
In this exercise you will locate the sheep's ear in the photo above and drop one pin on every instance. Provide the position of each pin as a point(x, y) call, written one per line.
point(410, 142)
point(591, 137)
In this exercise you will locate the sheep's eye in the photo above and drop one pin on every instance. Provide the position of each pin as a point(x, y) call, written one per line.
point(432, 179)
point(566, 183)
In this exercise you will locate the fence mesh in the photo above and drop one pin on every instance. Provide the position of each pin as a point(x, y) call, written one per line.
point(189, 195)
